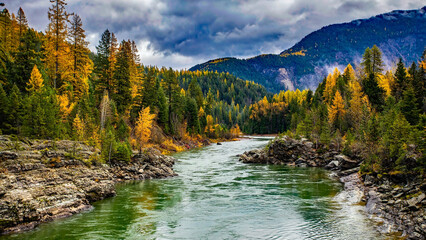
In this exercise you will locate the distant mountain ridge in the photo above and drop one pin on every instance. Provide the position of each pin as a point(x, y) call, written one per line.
point(400, 33)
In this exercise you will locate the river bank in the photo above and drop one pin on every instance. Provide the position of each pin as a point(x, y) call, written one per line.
point(43, 180)
point(396, 208)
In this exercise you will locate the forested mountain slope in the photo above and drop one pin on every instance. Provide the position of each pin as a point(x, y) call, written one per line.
point(397, 33)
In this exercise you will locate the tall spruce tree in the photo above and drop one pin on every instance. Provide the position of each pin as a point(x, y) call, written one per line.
point(401, 80)
point(103, 65)
point(82, 65)
point(122, 77)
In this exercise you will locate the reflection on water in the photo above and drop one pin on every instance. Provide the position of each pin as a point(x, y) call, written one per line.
point(216, 197)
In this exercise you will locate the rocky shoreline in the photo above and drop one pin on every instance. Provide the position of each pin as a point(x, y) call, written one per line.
point(45, 180)
point(400, 209)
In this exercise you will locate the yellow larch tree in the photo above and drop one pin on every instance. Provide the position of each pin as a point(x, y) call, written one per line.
point(78, 127)
point(210, 125)
point(143, 127)
point(330, 85)
point(58, 52)
point(337, 109)
point(36, 80)
point(65, 106)
point(349, 72)
point(357, 104)
point(385, 82)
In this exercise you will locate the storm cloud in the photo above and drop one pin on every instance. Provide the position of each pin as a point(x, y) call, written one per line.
point(180, 34)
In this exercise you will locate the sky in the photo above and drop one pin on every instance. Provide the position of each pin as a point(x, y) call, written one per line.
point(181, 34)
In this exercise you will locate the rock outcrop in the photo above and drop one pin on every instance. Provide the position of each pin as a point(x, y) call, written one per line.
point(45, 180)
point(300, 153)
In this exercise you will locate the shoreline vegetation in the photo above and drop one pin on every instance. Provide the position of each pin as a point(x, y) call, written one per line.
point(44, 180)
point(102, 114)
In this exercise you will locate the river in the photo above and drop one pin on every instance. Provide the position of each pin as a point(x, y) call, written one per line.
point(217, 197)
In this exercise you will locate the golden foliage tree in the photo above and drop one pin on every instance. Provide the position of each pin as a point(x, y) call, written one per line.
point(78, 127)
point(56, 47)
point(210, 125)
point(385, 82)
point(36, 81)
point(330, 85)
point(349, 72)
point(65, 106)
point(143, 127)
point(337, 110)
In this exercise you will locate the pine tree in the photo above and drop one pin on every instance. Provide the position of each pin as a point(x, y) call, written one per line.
point(4, 108)
point(6, 24)
point(400, 83)
point(14, 118)
point(409, 106)
point(122, 77)
point(29, 54)
point(81, 63)
point(193, 126)
point(149, 91)
point(418, 82)
point(22, 22)
point(376, 60)
point(41, 115)
point(195, 92)
point(161, 105)
point(57, 34)
point(374, 92)
point(103, 65)
point(36, 81)
point(366, 62)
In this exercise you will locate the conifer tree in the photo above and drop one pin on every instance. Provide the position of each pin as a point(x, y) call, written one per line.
point(14, 111)
point(143, 127)
point(36, 81)
point(22, 22)
point(374, 92)
point(195, 92)
point(29, 54)
point(149, 91)
point(409, 106)
point(401, 79)
point(78, 127)
point(122, 77)
point(103, 65)
point(376, 60)
point(336, 111)
point(4, 108)
point(366, 62)
point(162, 107)
point(81, 64)
point(193, 126)
point(57, 34)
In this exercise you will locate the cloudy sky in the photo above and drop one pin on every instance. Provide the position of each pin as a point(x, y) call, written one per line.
point(180, 34)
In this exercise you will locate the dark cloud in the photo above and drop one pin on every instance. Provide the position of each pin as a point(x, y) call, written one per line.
point(181, 33)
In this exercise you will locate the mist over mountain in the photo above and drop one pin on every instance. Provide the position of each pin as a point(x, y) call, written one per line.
point(400, 33)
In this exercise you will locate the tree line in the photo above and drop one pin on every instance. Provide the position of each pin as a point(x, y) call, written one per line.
point(363, 111)
point(53, 87)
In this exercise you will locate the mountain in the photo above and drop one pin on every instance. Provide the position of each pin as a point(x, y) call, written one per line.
point(398, 33)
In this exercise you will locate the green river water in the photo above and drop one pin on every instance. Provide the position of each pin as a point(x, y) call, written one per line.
point(217, 197)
